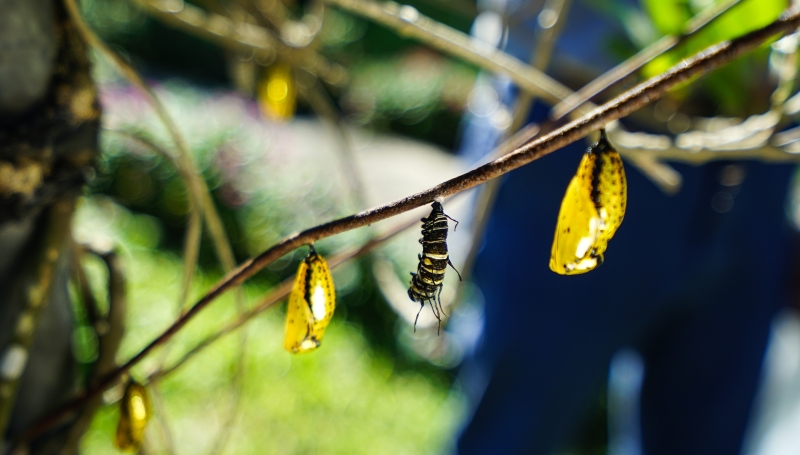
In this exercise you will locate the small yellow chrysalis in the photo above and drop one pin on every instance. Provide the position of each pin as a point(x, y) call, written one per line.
point(591, 211)
point(311, 305)
point(134, 412)
point(276, 92)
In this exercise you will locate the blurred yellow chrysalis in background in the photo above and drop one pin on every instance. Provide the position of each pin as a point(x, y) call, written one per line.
point(134, 412)
point(276, 92)
point(591, 211)
point(311, 305)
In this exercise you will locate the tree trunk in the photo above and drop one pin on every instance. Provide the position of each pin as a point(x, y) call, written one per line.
point(49, 120)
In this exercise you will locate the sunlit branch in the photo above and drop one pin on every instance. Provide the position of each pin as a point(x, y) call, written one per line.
point(626, 103)
point(753, 138)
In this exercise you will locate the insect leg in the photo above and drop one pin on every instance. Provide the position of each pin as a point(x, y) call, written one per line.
point(434, 308)
point(436, 312)
point(453, 220)
point(439, 297)
point(454, 268)
point(421, 306)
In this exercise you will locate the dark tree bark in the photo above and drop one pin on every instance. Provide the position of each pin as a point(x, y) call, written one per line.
point(49, 120)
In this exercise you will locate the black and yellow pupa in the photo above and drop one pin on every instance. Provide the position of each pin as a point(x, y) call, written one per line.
point(591, 211)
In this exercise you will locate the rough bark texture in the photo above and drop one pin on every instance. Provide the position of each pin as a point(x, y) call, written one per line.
point(49, 119)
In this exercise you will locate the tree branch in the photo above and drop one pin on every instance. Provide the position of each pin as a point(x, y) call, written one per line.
point(242, 37)
point(641, 95)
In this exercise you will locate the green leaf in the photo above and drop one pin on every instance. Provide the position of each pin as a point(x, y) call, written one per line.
point(745, 17)
point(668, 15)
point(669, 18)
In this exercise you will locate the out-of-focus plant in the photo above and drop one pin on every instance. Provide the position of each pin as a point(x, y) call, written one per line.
point(728, 85)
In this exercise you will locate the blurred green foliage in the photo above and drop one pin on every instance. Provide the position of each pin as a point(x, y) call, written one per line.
point(735, 90)
point(359, 45)
point(726, 86)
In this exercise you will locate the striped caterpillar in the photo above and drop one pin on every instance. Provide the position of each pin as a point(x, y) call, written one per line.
point(426, 284)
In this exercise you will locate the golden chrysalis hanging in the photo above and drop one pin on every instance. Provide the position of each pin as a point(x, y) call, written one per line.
point(134, 412)
point(591, 211)
point(311, 305)
point(276, 92)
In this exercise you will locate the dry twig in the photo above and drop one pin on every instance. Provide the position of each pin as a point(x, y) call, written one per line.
point(407, 21)
point(241, 37)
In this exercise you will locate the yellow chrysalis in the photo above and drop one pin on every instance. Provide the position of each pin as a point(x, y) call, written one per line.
point(311, 305)
point(134, 412)
point(591, 211)
point(276, 92)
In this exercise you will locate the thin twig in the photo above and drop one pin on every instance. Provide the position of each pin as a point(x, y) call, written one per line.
point(626, 103)
point(191, 247)
point(299, 32)
point(241, 37)
point(161, 417)
point(195, 181)
point(765, 153)
point(751, 139)
point(408, 22)
point(319, 100)
point(626, 68)
point(109, 335)
point(191, 253)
